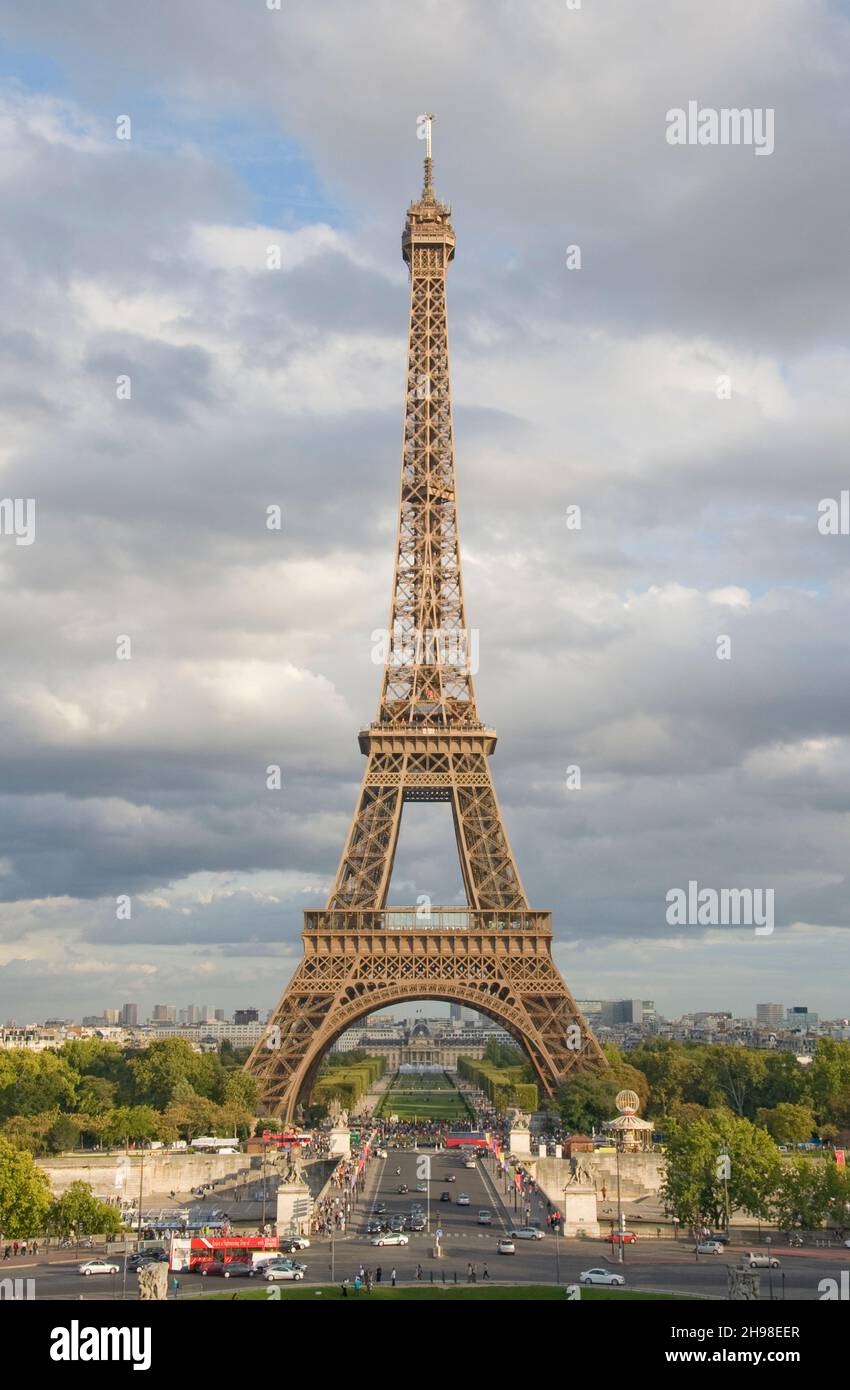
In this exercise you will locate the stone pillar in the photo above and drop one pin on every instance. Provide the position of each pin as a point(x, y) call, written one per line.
point(520, 1142)
point(578, 1209)
point(294, 1205)
point(340, 1143)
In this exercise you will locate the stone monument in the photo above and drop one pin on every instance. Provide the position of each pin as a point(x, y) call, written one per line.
point(153, 1281)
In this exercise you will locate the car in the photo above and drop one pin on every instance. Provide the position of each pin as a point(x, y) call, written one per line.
point(295, 1243)
point(709, 1247)
point(602, 1276)
point(462, 1199)
point(403, 1187)
point(380, 1208)
point(394, 1225)
point(232, 1269)
point(447, 1197)
point(421, 1187)
point(280, 1262)
point(505, 1247)
point(527, 1233)
point(626, 1237)
point(469, 1163)
point(485, 1218)
point(451, 1178)
point(391, 1238)
point(414, 1224)
point(756, 1259)
point(146, 1257)
point(274, 1272)
point(374, 1228)
point(97, 1267)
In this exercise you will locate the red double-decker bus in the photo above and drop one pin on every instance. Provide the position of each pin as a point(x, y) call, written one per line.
point(194, 1254)
point(286, 1138)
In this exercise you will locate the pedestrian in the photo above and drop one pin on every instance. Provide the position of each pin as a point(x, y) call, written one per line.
point(469, 1273)
point(357, 1284)
point(15, 1247)
point(486, 1274)
point(35, 1247)
point(7, 1252)
point(393, 1276)
point(378, 1274)
point(369, 1281)
point(418, 1271)
point(344, 1288)
point(361, 1272)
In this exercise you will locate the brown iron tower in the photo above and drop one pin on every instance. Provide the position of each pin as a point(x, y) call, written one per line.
point(427, 744)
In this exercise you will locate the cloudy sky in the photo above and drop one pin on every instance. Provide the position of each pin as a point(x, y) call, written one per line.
point(688, 387)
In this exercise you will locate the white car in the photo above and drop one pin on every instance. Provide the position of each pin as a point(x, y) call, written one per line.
point(462, 1199)
point(485, 1217)
point(709, 1247)
point(527, 1233)
point(601, 1276)
point(274, 1272)
point(469, 1163)
point(755, 1259)
point(97, 1267)
point(506, 1247)
point(391, 1238)
point(294, 1243)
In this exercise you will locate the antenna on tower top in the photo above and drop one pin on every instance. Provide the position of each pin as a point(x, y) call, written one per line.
point(428, 188)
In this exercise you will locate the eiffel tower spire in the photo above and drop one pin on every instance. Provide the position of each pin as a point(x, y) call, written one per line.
point(427, 743)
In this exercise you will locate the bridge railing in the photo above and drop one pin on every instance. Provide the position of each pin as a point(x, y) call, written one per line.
point(408, 919)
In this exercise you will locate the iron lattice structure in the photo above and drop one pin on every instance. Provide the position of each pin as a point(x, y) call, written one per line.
point(427, 744)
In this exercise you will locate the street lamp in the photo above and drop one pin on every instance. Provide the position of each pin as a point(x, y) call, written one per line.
point(620, 1218)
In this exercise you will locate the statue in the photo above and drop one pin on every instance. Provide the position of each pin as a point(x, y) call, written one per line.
point(580, 1174)
point(742, 1285)
point(153, 1281)
point(337, 1115)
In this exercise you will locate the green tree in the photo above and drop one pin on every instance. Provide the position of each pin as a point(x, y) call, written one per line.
point(159, 1070)
point(829, 1081)
point(809, 1192)
point(786, 1123)
point(128, 1124)
point(24, 1193)
point(732, 1076)
point(693, 1185)
point(671, 1069)
point(31, 1082)
point(79, 1213)
point(63, 1134)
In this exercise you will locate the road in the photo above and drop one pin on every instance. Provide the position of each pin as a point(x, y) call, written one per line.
point(650, 1264)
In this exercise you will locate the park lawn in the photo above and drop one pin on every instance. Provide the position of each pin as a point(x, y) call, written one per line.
point(476, 1293)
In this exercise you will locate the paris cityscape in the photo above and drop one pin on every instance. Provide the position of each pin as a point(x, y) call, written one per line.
point(524, 915)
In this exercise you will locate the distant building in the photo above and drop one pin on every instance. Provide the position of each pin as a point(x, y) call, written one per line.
point(112, 1017)
point(164, 1013)
point(130, 1015)
point(799, 1016)
point(771, 1015)
point(219, 1016)
point(622, 1011)
point(243, 1016)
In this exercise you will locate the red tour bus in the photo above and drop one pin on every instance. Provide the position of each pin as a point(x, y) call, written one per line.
point(286, 1138)
point(194, 1254)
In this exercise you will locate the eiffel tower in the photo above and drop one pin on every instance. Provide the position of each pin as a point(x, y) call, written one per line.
point(427, 744)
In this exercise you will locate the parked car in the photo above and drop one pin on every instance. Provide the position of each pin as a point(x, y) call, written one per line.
point(374, 1228)
point(274, 1272)
point(709, 1247)
point(445, 1196)
point(505, 1247)
point(601, 1276)
point(421, 1187)
point(97, 1267)
point(462, 1199)
point(232, 1269)
point(627, 1238)
point(391, 1238)
point(757, 1259)
point(485, 1217)
point(527, 1233)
